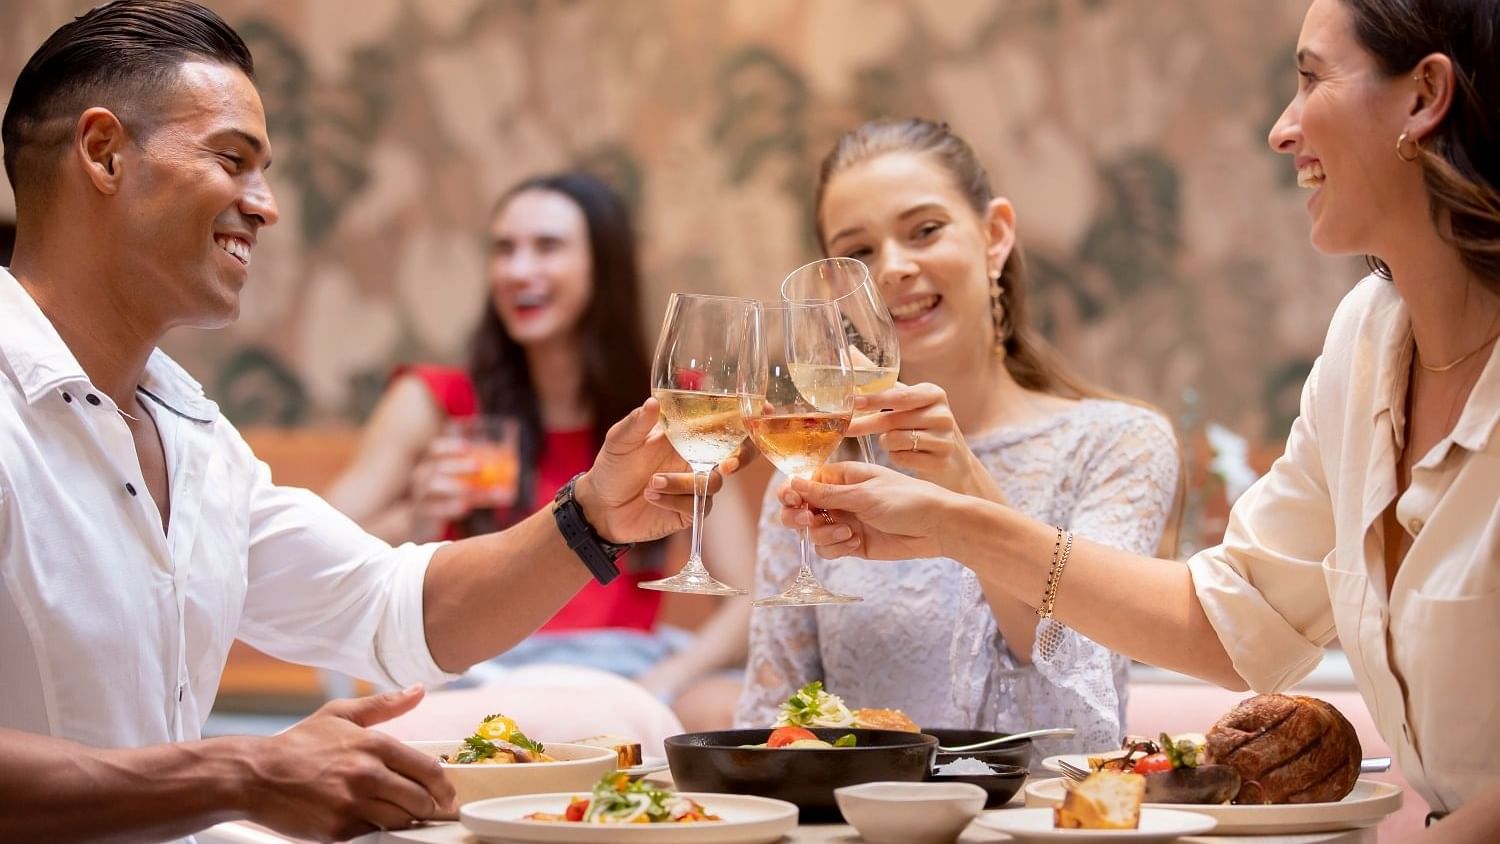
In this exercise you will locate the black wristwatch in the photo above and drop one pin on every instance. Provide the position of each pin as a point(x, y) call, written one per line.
point(597, 554)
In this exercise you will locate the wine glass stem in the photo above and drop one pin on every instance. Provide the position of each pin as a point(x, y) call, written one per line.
point(700, 497)
point(864, 448)
point(806, 571)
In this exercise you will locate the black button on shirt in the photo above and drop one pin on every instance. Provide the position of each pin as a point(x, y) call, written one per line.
point(92, 399)
point(130, 487)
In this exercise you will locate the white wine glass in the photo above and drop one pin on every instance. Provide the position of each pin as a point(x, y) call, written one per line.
point(797, 397)
point(869, 332)
point(695, 377)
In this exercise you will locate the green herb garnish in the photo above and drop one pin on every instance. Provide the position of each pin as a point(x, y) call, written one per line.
point(475, 749)
point(1182, 754)
point(810, 706)
point(520, 740)
point(846, 740)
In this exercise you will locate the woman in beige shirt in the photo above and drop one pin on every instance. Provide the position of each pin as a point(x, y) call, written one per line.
point(1381, 524)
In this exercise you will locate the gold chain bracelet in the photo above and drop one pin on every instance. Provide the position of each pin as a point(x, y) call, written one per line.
point(1060, 553)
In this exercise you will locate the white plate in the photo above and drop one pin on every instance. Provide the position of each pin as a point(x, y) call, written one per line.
point(745, 820)
point(1053, 763)
point(649, 765)
point(1156, 825)
point(1366, 805)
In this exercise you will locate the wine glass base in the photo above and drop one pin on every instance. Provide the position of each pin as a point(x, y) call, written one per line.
point(809, 595)
point(692, 583)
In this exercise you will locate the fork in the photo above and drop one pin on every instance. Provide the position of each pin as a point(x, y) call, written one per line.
point(1071, 771)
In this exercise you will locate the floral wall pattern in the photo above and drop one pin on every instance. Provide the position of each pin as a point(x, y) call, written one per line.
point(1168, 243)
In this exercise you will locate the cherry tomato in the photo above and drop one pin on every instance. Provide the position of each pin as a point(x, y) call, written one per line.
point(1153, 764)
point(783, 736)
point(576, 809)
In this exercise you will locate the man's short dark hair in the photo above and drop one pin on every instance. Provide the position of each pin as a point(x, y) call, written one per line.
point(121, 56)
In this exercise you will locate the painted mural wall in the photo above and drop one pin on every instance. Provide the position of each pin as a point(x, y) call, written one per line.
point(1168, 243)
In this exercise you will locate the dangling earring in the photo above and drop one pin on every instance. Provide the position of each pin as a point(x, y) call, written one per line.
point(1416, 148)
point(997, 312)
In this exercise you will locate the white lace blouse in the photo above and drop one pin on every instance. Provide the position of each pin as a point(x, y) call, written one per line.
point(925, 641)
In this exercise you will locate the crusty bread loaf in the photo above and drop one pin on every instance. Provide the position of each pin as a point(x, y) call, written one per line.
point(1287, 749)
point(627, 750)
point(1104, 800)
point(885, 719)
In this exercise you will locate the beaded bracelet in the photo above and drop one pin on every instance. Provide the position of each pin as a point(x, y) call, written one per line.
point(1051, 633)
point(1060, 552)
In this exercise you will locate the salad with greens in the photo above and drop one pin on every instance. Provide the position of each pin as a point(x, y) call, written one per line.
point(617, 799)
point(811, 706)
point(497, 741)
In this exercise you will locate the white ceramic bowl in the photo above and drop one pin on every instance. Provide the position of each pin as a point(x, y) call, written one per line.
point(577, 768)
point(910, 812)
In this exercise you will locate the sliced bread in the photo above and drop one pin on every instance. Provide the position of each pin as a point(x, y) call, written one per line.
point(628, 750)
point(1105, 800)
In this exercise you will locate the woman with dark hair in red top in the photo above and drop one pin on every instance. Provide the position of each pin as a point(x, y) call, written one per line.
point(559, 350)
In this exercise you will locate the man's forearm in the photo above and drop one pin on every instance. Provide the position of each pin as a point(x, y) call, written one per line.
point(56, 790)
point(483, 595)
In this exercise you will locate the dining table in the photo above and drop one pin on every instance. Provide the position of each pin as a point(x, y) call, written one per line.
point(806, 833)
point(837, 833)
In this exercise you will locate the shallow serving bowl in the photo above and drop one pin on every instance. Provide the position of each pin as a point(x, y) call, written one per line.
point(910, 812)
point(1017, 753)
point(577, 768)
point(720, 762)
point(1000, 785)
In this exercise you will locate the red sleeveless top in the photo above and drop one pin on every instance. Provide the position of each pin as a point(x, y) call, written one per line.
point(564, 454)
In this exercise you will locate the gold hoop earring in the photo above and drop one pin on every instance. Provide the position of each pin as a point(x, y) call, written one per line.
point(1401, 152)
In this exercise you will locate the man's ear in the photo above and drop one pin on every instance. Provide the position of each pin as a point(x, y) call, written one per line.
point(97, 145)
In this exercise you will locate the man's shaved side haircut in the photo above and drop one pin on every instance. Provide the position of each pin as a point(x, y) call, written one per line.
point(122, 56)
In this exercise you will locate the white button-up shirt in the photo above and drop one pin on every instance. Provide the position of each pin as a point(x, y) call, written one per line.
point(113, 633)
point(1304, 556)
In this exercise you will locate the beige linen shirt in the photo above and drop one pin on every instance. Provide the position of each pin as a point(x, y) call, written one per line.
point(1303, 559)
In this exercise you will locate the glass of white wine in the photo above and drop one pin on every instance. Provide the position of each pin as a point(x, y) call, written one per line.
point(695, 377)
point(869, 332)
point(797, 397)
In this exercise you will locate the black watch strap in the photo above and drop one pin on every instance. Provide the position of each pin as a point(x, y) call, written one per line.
point(597, 554)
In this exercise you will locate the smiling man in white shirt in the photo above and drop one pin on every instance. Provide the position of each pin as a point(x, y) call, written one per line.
point(139, 535)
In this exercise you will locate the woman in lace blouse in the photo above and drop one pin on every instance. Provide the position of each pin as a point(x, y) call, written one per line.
point(991, 412)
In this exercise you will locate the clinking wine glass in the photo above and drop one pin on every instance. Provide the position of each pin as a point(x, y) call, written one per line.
point(869, 332)
point(695, 377)
point(797, 397)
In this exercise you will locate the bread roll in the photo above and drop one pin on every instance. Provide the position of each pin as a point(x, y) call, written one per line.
point(885, 719)
point(1287, 749)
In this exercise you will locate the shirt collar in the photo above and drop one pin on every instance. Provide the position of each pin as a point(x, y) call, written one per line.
point(1389, 324)
point(41, 362)
point(1481, 414)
